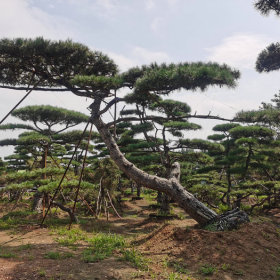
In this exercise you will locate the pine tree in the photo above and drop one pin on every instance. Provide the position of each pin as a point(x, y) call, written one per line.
point(39, 140)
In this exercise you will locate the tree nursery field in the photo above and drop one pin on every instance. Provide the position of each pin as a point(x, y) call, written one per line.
point(133, 195)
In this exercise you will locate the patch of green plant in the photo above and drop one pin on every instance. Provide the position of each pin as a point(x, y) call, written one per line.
point(211, 227)
point(278, 271)
point(42, 273)
point(225, 266)
point(238, 272)
point(207, 269)
point(148, 196)
point(23, 247)
point(102, 246)
point(14, 219)
point(7, 255)
point(58, 255)
point(52, 255)
point(55, 221)
point(69, 237)
point(223, 208)
point(181, 216)
point(174, 276)
point(178, 266)
point(135, 258)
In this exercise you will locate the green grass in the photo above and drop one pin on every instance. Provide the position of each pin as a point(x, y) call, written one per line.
point(7, 255)
point(102, 246)
point(211, 227)
point(135, 258)
point(178, 266)
point(42, 273)
point(278, 271)
point(207, 269)
point(14, 219)
point(69, 237)
point(225, 267)
point(174, 276)
point(27, 246)
point(58, 255)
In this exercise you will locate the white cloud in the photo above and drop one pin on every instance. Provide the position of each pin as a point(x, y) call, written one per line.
point(108, 5)
point(20, 19)
point(146, 56)
point(172, 3)
point(157, 24)
point(137, 57)
point(239, 50)
point(122, 61)
point(150, 5)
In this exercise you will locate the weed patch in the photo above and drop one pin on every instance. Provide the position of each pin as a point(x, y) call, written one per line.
point(102, 246)
point(135, 258)
point(207, 269)
point(58, 255)
point(69, 237)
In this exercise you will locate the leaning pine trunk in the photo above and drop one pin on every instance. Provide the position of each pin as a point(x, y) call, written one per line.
point(197, 210)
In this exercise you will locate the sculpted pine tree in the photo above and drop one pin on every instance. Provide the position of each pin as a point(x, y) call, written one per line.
point(43, 136)
point(72, 67)
point(159, 148)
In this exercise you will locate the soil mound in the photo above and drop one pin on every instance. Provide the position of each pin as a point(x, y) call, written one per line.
point(251, 252)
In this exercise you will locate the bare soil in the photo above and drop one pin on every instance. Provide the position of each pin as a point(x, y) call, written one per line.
point(174, 249)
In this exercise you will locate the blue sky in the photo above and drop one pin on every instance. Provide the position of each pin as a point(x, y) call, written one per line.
point(136, 32)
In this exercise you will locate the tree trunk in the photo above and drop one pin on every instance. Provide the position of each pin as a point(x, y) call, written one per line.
point(37, 202)
point(72, 215)
point(197, 210)
point(172, 187)
point(138, 189)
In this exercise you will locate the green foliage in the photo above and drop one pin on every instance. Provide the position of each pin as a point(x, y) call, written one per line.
point(200, 144)
point(181, 125)
point(51, 186)
point(266, 6)
point(49, 115)
point(251, 131)
point(171, 108)
point(51, 59)
point(225, 127)
point(269, 59)
point(139, 128)
point(98, 82)
point(13, 126)
point(31, 175)
point(191, 76)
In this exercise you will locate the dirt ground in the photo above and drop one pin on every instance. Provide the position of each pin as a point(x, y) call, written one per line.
point(174, 249)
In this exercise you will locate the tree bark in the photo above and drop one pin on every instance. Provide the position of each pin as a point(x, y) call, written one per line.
point(72, 215)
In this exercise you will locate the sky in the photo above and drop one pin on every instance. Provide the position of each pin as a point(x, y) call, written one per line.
point(137, 32)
